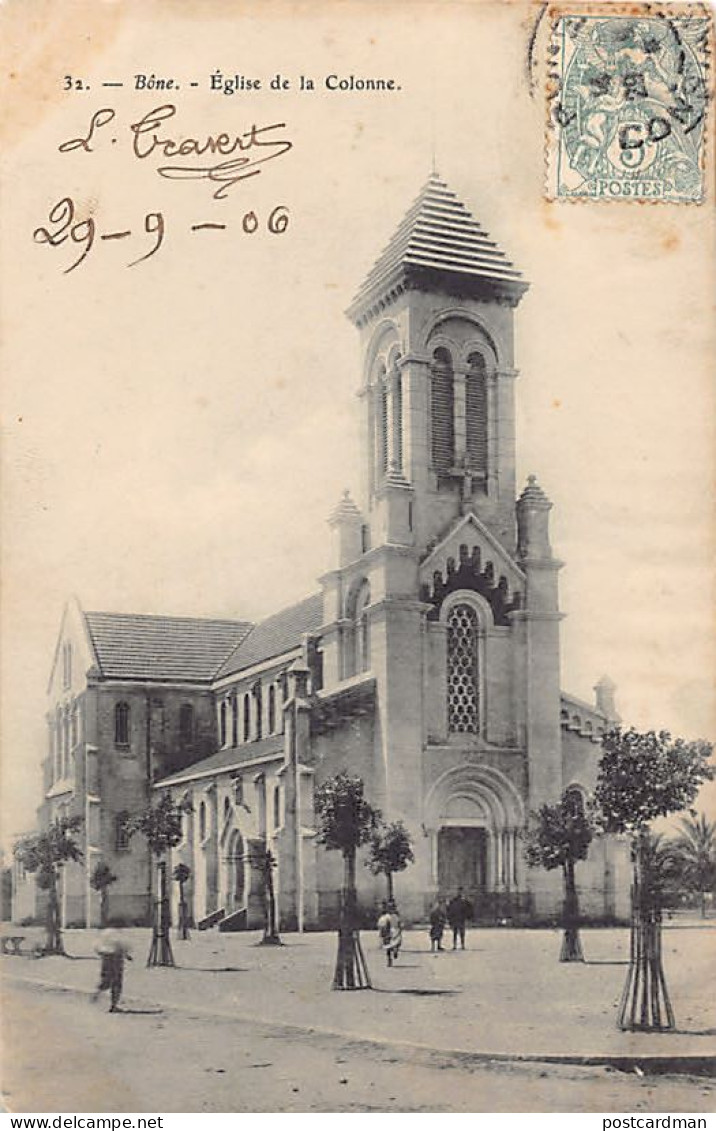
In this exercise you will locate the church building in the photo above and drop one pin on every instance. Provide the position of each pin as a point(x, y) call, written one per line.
point(427, 661)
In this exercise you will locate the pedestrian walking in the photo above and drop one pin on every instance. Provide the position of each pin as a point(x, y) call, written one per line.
point(459, 910)
point(437, 926)
point(112, 950)
point(390, 930)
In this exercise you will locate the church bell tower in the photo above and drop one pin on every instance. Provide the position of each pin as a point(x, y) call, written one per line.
point(435, 316)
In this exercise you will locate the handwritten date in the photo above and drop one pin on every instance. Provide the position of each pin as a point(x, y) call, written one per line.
point(62, 226)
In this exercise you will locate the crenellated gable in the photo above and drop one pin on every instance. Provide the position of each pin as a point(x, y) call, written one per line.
point(469, 557)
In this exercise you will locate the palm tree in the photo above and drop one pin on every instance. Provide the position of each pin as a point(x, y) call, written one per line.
point(694, 851)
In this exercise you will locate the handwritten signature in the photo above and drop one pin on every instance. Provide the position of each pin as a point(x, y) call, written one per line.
point(256, 146)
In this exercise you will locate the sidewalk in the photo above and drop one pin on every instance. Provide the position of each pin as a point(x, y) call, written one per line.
point(506, 997)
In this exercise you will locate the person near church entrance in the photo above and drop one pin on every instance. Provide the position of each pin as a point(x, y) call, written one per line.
point(390, 930)
point(459, 910)
point(112, 950)
point(437, 926)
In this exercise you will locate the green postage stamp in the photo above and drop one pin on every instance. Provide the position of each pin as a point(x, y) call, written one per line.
point(627, 96)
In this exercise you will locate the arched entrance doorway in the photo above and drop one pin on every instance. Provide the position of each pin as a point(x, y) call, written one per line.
point(462, 859)
point(236, 873)
point(473, 817)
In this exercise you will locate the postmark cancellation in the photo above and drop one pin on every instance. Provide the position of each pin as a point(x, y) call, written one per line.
point(627, 98)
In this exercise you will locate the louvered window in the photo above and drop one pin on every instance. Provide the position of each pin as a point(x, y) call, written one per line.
point(441, 407)
point(382, 429)
point(398, 421)
point(476, 413)
point(462, 674)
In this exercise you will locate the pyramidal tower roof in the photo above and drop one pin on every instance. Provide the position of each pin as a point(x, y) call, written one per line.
point(440, 244)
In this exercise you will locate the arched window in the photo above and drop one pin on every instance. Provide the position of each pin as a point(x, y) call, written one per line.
point(234, 720)
point(574, 801)
point(271, 709)
point(476, 413)
point(121, 832)
point(362, 629)
point(382, 422)
point(222, 723)
point(202, 821)
point(186, 724)
point(247, 718)
point(58, 745)
point(380, 408)
point(463, 675)
point(276, 806)
point(397, 388)
point(258, 695)
point(121, 724)
point(441, 410)
point(356, 654)
point(66, 745)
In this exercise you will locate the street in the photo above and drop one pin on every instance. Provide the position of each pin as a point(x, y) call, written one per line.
point(234, 1026)
point(62, 1053)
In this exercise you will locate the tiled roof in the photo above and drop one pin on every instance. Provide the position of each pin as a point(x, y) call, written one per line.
point(225, 760)
point(182, 649)
point(439, 234)
point(277, 634)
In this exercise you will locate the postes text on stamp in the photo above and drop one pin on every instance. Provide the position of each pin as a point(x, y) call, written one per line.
point(627, 95)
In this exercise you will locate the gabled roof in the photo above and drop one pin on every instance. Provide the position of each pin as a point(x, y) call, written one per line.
point(223, 760)
point(275, 635)
point(466, 528)
point(440, 239)
point(165, 649)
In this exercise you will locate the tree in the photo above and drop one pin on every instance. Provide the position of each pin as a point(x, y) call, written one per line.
point(101, 880)
point(267, 863)
point(44, 854)
point(390, 851)
point(345, 822)
point(694, 855)
point(161, 825)
point(660, 870)
point(181, 874)
point(558, 837)
point(643, 776)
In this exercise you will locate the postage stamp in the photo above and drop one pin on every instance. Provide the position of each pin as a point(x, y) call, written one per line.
point(627, 97)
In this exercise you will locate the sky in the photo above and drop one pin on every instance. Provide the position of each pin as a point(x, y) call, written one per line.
point(175, 433)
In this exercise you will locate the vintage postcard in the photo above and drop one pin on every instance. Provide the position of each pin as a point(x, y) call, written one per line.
point(357, 591)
